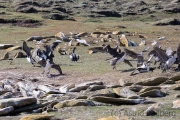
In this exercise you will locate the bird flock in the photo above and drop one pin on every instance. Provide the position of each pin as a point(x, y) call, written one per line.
point(44, 56)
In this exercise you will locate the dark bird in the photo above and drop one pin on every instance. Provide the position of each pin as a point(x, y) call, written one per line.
point(166, 61)
point(145, 67)
point(138, 56)
point(73, 56)
point(27, 50)
point(47, 67)
point(121, 58)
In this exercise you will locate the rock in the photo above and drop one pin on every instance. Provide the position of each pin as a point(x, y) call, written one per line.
point(152, 81)
point(176, 104)
point(66, 88)
point(73, 103)
point(135, 88)
point(145, 89)
point(169, 82)
point(19, 55)
point(4, 91)
point(116, 101)
point(96, 87)
point(5, 56)
point(78, 88)
point(48, 90)
point(150, 112)
point(23, 89)
point(17, 102)
point(124, 92)
point(175, 87)
point(152, 93)
point(175, 78)
point(38, 117)
point(91, 83)
point(6, 110)
point(167, 21)
point(123, 82)
point(6, 95)
point(30, 107)
point(177, 96)
point(13, 48)
point(5, 46)
point(108, 92)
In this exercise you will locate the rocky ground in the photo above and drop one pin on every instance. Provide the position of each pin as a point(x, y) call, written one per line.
point(90, 89)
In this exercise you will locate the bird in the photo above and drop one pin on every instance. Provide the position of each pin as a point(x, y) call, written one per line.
point(73, 56)
point(27, 50)
point(145, 67)
point(47, 67)
point(121, 58)
point(138, 56)
point(166, 61)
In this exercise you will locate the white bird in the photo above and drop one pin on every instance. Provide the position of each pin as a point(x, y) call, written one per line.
point(84, 42)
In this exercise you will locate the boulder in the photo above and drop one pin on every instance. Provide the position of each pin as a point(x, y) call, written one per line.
point(66, 88)
point(135, 88)
point(124, 92)
point(38, 117)
point(48, 90)
point(78, 88)
point(30, 107)
point(152, 81)
point(152, 93)
point(6, 95)
point(149, 88)
point(91, 83)
point(95, 87)
point(5, 46)
point(169, 82)
point(74, 102)
point(175, 87)
point(5, 56)
point(13, 48)
point(117, 101)
point(167, 21)
point(6, 110)
point(176, 104)
point(17, 102)
point(175, 78)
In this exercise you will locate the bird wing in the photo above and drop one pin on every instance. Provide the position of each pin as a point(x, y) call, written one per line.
point(42, 63)
point(161, 54)
point(131, 53)
point(169, 51)
point(26, 49)
point(127, 62)
point(55, 44)
point(57, 67)
point(153, 52)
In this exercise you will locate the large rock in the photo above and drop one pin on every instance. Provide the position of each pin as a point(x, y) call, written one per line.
point(124, 92)
point(38, 117)
point(175, 78)
point(66, 88)
point(78, 88)
point(96, 87)
point(152, 93)
point(5, 46)
point(13, 48)
point(168, 21)
point(175, 87)
point(117, 101)
point(135, 88)
point(30, 107)
point(47, 89)
point(176, 104)
point(74, 102)
point(6, 110)
point(17, 102)
point(149, 88)
point(152, 81)
point(91, 83)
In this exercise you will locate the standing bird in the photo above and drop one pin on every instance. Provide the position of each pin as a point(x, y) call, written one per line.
point(27, 50)
point(47, 67)
point(73, 56)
